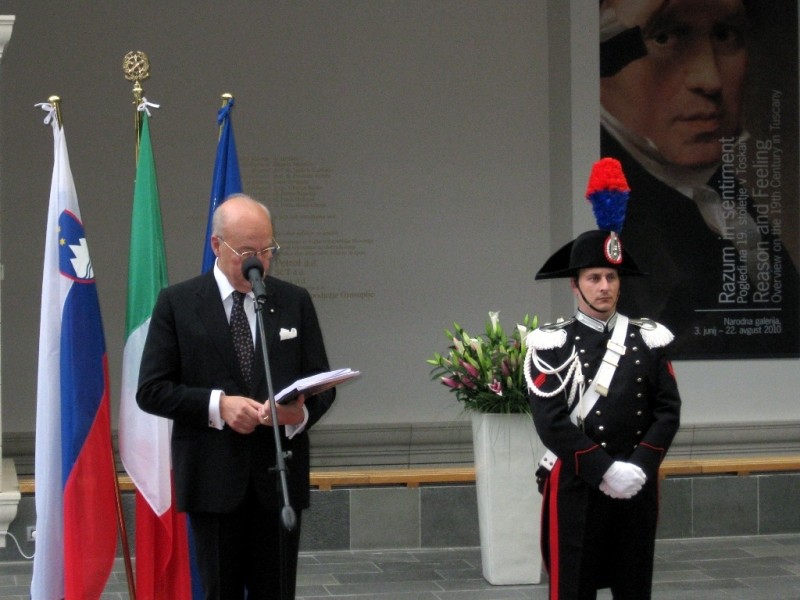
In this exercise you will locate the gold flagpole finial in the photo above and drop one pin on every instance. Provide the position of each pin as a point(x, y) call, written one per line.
point(136, 67)
point(56, 102)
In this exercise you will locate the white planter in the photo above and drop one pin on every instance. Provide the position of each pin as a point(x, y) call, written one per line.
point(507, 451)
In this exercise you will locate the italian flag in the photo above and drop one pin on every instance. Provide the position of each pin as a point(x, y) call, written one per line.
point(162, 551)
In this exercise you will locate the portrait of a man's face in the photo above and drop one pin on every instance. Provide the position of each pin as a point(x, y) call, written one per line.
point(686, 92)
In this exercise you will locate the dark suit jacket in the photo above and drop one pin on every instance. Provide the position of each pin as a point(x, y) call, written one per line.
point(189, 352)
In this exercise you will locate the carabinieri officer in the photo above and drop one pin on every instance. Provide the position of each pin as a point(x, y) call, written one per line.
point(605, 403)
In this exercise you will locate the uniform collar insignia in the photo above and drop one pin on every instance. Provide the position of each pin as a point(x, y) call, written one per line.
point(596, 324)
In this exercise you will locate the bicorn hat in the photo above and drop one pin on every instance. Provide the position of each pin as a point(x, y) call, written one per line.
point(608, 193)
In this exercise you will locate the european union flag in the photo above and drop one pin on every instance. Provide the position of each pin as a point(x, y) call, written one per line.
point(227, 179)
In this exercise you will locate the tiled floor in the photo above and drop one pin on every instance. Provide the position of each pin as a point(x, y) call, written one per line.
point(731, 568)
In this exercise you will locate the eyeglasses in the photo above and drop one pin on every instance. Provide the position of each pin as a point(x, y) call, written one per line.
point(269, 250)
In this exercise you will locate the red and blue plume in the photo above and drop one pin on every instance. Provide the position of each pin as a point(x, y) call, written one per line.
point(608, 192)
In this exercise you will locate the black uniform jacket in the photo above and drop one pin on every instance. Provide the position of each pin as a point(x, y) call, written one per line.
point(189, 353)
point(636, 422)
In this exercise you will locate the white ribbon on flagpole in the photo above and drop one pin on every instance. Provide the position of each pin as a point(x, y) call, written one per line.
point(50, 109)
point(143, 106)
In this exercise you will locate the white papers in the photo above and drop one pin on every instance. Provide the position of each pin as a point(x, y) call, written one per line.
point(314, 384)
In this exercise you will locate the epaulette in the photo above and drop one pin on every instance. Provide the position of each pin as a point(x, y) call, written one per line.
point(560, 323)
point(550, 335)
point(654, 334)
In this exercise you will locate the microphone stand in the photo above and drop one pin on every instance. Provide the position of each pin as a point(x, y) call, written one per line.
point(288, 517)
point(253, 271)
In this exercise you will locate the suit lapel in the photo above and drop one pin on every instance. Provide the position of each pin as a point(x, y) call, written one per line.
point(270, 312)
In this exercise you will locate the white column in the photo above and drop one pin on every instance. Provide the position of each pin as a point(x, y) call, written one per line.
point(9, 485)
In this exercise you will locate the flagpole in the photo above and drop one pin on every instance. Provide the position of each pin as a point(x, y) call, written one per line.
point(136, 67)
point(56, 102)
point(123, 533)
point(227, 98)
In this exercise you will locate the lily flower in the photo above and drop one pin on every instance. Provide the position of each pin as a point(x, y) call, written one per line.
point(485, 372)
point(471, 369)
point(494, 318)
point(452, 383)
point(504, 368)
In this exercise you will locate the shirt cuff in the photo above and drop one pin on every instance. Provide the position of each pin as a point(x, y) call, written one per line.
point(214, 418)
point(293, 430)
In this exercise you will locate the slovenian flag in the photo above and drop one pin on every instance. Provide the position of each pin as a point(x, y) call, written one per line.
point(226, 179)
point(162, 552)
point(76, 508)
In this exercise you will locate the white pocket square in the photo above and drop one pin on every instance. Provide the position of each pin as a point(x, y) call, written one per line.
point(287, 334)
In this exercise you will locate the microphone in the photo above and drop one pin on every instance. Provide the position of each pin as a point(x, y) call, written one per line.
point(253, 271)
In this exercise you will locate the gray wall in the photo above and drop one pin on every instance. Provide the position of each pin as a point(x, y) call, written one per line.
point(424, 156)
point(413, 130)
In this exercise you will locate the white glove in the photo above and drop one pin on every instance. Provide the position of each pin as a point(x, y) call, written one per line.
point(622, 480)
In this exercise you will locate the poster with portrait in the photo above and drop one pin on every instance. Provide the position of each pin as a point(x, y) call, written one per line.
point(699, 102)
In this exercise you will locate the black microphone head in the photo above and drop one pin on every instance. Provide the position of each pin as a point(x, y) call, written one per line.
point(252, 263)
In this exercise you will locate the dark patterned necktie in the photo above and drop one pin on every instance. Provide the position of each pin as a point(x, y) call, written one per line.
point(242, 337)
